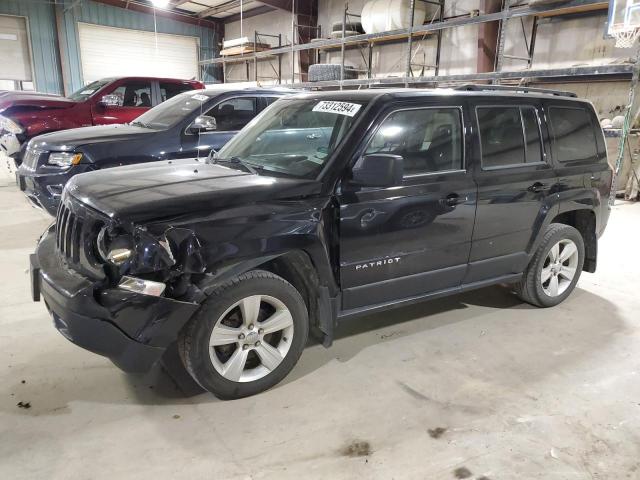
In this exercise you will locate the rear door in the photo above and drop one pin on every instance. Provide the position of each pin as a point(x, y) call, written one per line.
point(516, 184)
point(409, 240)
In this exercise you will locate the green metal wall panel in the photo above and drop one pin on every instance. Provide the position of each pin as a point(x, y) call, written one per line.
point(44, 43)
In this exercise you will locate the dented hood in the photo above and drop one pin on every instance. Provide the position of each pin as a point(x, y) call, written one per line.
point(158, 190)
point(33, 99)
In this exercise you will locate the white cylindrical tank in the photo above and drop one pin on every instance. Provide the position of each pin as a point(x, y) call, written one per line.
point(384, 15)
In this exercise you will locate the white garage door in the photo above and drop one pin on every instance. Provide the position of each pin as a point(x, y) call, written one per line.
point(116, 52)
point(15, 62)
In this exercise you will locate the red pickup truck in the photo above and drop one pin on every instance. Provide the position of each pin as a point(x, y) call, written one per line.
point(23, 115)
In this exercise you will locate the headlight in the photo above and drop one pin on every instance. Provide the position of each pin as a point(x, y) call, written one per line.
point(64, 159)
point(10, 125)
point(115, 250)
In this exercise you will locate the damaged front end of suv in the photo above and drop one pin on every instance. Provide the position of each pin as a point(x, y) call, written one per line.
point(119, 290)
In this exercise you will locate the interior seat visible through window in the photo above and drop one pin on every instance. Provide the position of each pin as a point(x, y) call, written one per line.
point(428, 139)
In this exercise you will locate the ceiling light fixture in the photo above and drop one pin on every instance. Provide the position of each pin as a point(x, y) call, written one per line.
point(160, 3)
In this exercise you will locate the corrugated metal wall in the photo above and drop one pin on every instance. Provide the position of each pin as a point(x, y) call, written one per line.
point(44, 43)
point(48, 64)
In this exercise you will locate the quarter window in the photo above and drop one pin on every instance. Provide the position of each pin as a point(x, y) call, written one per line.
point(572, 134)
point(428, 139)
point(233, 114)
point(509, 136)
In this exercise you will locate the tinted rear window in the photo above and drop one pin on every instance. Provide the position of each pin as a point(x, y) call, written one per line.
point(572, 134)
point(509, 136)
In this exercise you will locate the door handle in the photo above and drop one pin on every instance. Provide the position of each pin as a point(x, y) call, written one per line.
point(451, 200)
point(538, 187)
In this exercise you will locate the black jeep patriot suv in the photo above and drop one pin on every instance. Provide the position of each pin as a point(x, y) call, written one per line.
point(326, 206)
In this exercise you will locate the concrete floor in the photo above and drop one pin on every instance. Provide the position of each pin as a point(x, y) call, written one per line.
point(475, 386)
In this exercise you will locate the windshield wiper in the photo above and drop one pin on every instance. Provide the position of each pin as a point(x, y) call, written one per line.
point(141, 124)
point(249, 167)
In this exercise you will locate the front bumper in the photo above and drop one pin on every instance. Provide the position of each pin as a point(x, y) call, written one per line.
point(44, 189)
point(131, 329)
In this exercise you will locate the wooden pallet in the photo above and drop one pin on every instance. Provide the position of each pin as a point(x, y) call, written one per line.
point(245, 48)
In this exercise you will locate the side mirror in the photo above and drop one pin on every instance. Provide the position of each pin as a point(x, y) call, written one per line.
point(111, 101)
point(203, 123)
point(378, 170)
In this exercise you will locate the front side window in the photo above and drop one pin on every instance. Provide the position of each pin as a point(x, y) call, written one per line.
point(233, 114)
point(134, 94)
point(572, 134)
point(174, 110)
point(509, 136)
point(428, 139)
point(294, 136)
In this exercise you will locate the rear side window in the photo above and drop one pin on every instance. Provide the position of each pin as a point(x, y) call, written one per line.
point(572, 134)
point(429, 140)
point(509, 136)
point(170, 90)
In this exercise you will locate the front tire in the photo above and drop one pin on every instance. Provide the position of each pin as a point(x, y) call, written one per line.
point(555, 268)
point(247, 336)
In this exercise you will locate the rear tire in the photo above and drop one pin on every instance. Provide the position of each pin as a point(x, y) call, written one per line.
point(246, 337)
point(555, 268)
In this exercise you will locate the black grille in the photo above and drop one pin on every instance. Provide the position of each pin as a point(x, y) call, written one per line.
point(77, 227)
point(68, 233)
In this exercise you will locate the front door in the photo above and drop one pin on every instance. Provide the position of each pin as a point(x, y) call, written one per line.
point(231, 116)
point(134, 98)
point(516, 186)
point(413, 239)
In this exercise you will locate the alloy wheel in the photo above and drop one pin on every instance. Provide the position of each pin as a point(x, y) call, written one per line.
point(251, 338)
point(559, 268)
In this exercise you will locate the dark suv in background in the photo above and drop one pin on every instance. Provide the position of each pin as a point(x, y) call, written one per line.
point(327, 206)
point(23, 115)
point(188, 125)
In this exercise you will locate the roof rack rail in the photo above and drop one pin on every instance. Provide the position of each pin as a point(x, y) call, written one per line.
point(474, 87)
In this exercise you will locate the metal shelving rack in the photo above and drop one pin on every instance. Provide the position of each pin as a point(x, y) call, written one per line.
point(246, 59)
point(510, 11)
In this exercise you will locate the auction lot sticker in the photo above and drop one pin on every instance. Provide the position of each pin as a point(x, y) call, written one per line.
point(341, 108)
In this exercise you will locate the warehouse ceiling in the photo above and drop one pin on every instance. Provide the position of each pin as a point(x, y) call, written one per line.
point(216, 8)
point(219, 11)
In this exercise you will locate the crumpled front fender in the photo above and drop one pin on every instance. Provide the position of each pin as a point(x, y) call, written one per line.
point(177, 249)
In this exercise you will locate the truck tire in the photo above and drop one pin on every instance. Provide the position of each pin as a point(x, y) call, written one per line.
point(555, 268)
point(246, 337)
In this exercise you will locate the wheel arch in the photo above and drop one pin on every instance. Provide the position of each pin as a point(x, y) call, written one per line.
point(299, 269)
point(583, 220)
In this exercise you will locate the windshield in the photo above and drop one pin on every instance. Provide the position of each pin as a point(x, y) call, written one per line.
point(293, 136)
point(172, 111)
point(88, 90)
